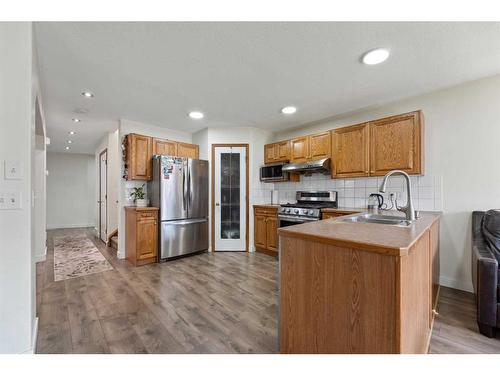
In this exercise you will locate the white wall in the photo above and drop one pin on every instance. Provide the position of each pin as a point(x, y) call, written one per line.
point(111, 143)
point(17, 281)
point(71, 192)
point(126, 127)
point(256, 138)
point(462, 133)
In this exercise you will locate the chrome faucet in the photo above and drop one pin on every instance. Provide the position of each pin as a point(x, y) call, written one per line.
point(408, 209)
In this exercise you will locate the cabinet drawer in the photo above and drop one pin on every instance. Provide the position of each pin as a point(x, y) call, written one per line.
point(265, 212)
point(146, 215)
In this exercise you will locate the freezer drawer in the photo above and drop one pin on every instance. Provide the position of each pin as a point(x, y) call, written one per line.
point(180, 237)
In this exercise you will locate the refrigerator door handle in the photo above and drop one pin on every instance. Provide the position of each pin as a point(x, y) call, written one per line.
point(186, 221)
point(183, 186)
point(189, 190)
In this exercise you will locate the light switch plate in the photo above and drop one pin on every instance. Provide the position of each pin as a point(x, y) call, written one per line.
point(13, 169)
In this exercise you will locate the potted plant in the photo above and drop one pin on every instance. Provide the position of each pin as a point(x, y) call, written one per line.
point(139, 196)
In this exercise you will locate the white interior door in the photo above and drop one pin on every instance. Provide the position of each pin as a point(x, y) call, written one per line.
point(103, 196)
point(230, 198)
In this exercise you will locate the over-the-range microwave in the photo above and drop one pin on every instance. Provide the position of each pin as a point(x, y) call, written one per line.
point(273, 173)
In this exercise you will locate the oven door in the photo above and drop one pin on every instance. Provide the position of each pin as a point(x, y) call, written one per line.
point(287, 220)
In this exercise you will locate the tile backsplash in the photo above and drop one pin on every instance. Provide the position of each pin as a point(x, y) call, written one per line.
point(426, 190)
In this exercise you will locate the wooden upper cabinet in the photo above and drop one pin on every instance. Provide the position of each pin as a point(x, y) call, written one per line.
point(351, 151)
point(164, 147)
point(320, 146)
point(270, 155)
point(139, 153)
point(299, 149)
point(188, 150)
point(396, 143)
point(277, 152)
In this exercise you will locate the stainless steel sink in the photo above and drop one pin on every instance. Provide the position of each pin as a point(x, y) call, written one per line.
point(377, 219)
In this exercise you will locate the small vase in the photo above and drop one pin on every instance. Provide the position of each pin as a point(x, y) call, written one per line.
point(141, 202)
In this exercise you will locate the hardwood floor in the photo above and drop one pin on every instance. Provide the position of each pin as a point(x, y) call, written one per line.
point(208, 303)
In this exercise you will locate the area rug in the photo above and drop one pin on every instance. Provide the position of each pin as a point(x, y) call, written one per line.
point(76, 256)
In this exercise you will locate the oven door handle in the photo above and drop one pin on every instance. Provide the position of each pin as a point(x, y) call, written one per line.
point(294, 219)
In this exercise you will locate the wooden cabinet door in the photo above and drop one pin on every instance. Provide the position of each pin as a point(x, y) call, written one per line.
point(147, 237)
point(396, 143)
point(260, 231)
point(299, 149)
point(282, 150)
point(270, 153)
point(272, 233)
point(140, 157)
point(188, 150)
point(351, 151)
point(164, 147)
point(320, 146)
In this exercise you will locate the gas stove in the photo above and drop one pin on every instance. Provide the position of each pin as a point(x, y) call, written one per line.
point(307, 208)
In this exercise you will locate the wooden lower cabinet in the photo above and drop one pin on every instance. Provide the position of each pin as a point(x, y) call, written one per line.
point(343, 299)
point(141, 235)
point(266, 229)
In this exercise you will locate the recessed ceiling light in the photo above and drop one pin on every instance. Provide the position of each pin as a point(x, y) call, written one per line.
point(76, 120)
point(70, 141)
point(196, 115)
point(375, 56)
point(72, 133)
point(67, 147)
point(288, 110)
point(88, 94)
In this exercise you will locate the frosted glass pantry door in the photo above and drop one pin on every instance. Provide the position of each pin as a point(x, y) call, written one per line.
point(230, 199)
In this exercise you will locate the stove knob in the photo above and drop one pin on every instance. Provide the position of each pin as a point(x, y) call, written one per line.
point(310, 212)
point(288, 210)
point(296, 210)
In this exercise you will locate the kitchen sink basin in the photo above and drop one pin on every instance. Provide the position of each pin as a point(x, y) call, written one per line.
point(377, 219)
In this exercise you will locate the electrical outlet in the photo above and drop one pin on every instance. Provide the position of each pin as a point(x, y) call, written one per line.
point(10, 200)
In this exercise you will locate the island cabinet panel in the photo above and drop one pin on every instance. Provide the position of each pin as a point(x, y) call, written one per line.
point(139, 153)
point(299, 149)
point(396, 143)
point(320, 146)
point(435, 263)
point(188, 150)
point(415, 296)
point(335, 299)
point(164, 147)
point(351, 151)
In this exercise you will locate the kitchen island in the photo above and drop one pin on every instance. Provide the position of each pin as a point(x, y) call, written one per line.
point(350, 287)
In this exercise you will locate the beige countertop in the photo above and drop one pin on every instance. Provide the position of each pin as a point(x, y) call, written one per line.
point(387, 239)
point(275, 206)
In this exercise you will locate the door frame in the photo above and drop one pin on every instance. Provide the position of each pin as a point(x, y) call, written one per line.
point(105, 151)
point(214, 146)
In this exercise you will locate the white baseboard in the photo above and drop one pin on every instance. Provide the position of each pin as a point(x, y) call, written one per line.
point(41, 257)
point(456, 284)
point(120, 255)
point(34, 337)
point(68, 226)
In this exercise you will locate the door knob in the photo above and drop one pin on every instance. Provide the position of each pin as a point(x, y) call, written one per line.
point(217, 204)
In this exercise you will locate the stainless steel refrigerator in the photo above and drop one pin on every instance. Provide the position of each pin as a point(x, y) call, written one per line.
point(180, 190)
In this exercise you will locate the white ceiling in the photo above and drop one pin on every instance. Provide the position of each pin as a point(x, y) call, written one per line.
point(241, 74)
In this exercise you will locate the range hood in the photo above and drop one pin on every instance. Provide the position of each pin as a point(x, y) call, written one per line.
point(313, 166)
